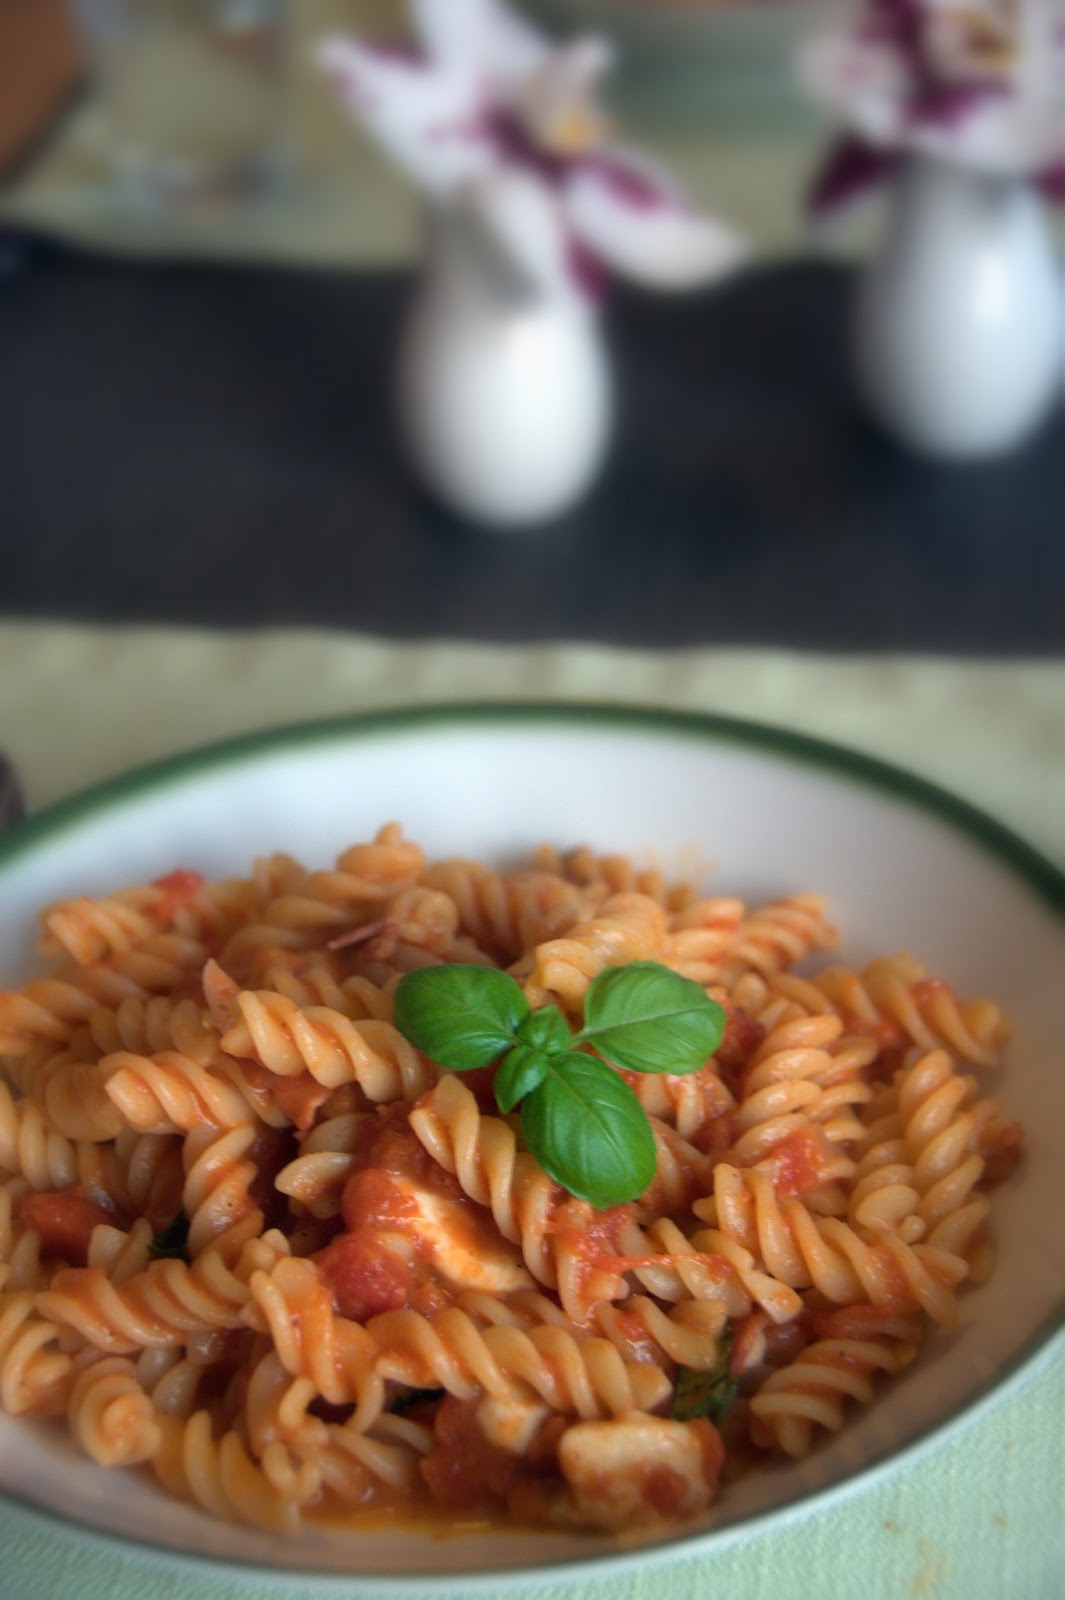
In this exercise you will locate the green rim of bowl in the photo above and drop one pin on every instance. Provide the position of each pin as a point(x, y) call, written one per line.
point(1025, 862)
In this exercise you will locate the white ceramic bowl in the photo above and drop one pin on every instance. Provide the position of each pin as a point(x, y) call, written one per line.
point(904, 865)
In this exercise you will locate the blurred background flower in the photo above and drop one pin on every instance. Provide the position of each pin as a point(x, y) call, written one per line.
point(485, 99)
point(979, 84)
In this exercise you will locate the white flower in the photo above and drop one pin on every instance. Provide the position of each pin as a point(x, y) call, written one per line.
point(485, 113)
point(979, 83)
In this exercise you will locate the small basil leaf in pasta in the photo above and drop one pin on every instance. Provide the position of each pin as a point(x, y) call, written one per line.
point(646, 1018)
point(546, 1029)
point(407, 1399)
point(462, 1016)
point(173, 1240)
point(706, 1394)
point(518, 1074)
point(589, 1132)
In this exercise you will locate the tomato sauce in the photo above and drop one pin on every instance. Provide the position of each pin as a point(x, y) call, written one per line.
point(364, 1278)
point(590, 1238)
point(742, 1036)
point(177, 889)
point(386, 1142)
point(406, 1222)
point(801, 1161)
point(65, 1219)
point(299, 1097)
point(464, 1470)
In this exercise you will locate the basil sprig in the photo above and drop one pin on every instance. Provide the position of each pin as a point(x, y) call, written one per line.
point(171, 1242)
point(706, 1394)
point(581, 1121)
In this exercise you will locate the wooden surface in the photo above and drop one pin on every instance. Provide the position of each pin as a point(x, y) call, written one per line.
point(40, 68)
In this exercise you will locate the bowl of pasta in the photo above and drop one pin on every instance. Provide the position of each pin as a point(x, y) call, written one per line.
point(568, 1136)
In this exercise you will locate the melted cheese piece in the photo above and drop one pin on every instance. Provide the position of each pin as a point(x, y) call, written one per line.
point(635, 1469)
point(461, 1242)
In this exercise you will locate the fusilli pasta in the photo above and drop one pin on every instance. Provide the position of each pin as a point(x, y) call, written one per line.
point(254, 1242)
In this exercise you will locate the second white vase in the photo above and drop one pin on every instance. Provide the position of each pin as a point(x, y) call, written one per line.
point(959, 334)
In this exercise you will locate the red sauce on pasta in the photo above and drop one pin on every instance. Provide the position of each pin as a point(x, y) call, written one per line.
point(178, 888)
point(743, 1034)
point(64, 1219)
point(363, 1277)
point(465, 1470)
point(800, 1162)
point(386, 1142)
point(393, 1253)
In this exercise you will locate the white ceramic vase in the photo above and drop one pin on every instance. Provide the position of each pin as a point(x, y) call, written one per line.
point(505, 393)
point(959, 334)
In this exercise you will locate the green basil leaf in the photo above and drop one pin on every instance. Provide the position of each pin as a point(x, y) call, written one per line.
point(646, 1018)
point(589, 1132)
point(407, 1398)
point(171, 1241)
point(462, 1016)
point(706, 1394)
point(546, 1029)
point(518, 1074)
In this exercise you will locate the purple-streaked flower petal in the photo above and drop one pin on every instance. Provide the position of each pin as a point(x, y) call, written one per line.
point(422, 116)
point(849, 171)
point(556, 104)
point(641, 229)
point(861, 80)
point(488, 116)
point(980, 83)
point(482, 39)
point(1051, 183)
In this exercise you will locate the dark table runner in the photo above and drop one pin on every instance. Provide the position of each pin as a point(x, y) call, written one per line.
point(209, 444)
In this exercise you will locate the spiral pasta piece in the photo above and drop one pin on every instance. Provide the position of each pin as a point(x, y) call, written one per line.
point(483, 1154)
point(110, 1415)
point(149, 1026)
point(583, 1376)
point(330, 1046)
point(51, 1008)
point(337, 1355)
point(172, 1093)
point(689, 1334)
point(812, 1391)
point(920, 1173)
point(35, 1372)
point(803, 1072)
point(315, 1179)
point(75, 1100)
point(507, 913)
point(361, 1469)
point(776, 936)
point(220, 1169)
point(897, 992)
point(628, 927)
point(700, 937)
point(162, 1305)
point(844, 1265)
point(221, 1477)
point(89, 930)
